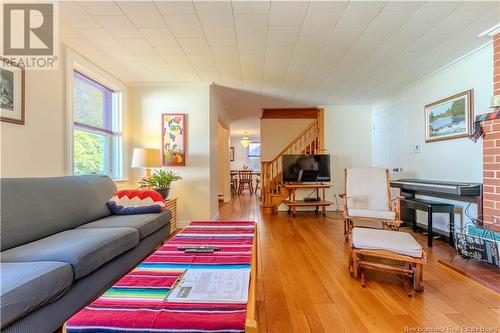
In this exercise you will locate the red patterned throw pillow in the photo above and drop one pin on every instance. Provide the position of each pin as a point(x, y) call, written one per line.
point(132, 202)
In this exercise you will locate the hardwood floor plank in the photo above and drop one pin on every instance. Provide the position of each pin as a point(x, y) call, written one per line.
point(304, 283)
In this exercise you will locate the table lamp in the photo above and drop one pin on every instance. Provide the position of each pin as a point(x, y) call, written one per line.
point(146, 158)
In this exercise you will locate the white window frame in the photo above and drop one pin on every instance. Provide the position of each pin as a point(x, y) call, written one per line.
point(75, 62)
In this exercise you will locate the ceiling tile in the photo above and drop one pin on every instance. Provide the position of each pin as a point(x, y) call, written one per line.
point(138, 46)
point(175, 7)
point(215, 13)
point(251, 25)
point(119, 26)
point(159, 36)
point(99, 37)
point(287, 12)
point(322, 7)
point(184, 25)
point(402, 6)
point(171, 53)
point(252, 44)
point(143, 14)
point(224, 36)
point(229, 53)
point(362, 12)
point(202, 61)
point(434, 12)
point(282, 35)
point(74, 16)
point(100, 7)
point(251, 7)
point(319, 24)
point(194, 45)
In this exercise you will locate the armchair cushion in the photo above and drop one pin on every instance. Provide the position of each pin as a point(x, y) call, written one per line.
point(393, 241)
point(367, 188)
point(372, 213)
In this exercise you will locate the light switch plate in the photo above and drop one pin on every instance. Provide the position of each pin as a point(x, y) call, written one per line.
point(417, 148)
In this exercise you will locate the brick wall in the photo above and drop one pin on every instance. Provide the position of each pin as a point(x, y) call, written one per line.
point(491, 150)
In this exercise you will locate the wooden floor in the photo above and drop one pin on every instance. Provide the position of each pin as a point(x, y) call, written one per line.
point(304, 284)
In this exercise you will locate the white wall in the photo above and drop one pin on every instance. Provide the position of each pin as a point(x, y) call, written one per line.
point(347, 140)
point(218, 115)
point(276, 134)
point(240, 154)
point(453, 160)
point(146, 106)
point(38, 148)
point(41, 147)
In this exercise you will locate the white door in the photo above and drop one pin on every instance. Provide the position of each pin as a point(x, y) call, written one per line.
point(389, 138)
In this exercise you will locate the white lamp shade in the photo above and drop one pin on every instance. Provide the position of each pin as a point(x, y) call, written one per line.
point(146, 158)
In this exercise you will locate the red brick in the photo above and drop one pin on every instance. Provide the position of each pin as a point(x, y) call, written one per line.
point(489, 189)
point(491, 166)
point(492, 135)
point(486, 127)
point(497, 158)
point(490, 196)
point(491, 151)
point(488, 174)
point(494, 212)
point(488, 143)
point(490, 158)
point(488, 204)
point(491, 181)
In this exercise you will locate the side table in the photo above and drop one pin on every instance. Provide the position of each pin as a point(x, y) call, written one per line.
point(171, 204)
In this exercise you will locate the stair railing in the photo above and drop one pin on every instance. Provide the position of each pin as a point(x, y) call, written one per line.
point(306, 142)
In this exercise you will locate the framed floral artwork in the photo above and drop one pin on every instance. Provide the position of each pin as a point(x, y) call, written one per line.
point(173, 139)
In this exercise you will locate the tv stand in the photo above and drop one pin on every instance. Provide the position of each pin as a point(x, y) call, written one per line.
point(293, 203)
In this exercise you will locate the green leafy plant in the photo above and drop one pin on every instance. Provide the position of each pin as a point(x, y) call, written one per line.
point(161, 179)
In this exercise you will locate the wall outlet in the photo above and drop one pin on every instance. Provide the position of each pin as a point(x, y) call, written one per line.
point(416, 148)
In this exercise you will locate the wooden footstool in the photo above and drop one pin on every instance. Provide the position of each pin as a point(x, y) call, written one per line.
point(388, 251)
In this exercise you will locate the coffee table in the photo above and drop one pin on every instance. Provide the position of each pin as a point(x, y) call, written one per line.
point(136, 302)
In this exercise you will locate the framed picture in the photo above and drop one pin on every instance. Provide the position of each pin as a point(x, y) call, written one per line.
point(449, 118)
point(173, 139)
point(231, 154)
point(11, 92)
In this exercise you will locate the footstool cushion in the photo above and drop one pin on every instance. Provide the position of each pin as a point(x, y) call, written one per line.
point(393, 241)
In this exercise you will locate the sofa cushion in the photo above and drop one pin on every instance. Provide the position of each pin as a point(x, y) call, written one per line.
point(84, 249)
point(34, 208)
point(29, 285)
point(377, 214)
point(394, 241)
point(146, 224)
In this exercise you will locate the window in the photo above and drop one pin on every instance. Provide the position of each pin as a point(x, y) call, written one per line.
point(97, 137)
point(254, 156)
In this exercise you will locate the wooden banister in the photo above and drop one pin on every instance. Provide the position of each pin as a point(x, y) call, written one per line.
point(307, 142)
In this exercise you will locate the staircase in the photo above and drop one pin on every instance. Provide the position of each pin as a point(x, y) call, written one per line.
point(273, 193)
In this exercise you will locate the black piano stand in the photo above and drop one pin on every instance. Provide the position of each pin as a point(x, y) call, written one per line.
point(431, 207)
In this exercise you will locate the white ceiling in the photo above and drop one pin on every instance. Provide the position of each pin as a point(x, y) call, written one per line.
point(284, 53)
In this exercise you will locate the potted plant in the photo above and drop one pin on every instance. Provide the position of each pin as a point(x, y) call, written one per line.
point(160, 182)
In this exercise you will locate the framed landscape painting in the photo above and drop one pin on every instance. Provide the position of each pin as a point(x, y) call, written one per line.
point(173, 140)
point(11, 92)
point(449, 118)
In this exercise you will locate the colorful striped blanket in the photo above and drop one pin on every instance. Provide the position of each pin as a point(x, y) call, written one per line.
point(136, 302)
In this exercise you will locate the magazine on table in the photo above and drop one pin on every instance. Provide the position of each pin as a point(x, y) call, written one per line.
point(211, 286)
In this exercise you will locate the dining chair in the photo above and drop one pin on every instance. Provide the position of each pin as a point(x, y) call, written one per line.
point(245, 181)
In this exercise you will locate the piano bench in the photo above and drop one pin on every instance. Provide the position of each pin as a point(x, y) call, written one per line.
point(430, 207)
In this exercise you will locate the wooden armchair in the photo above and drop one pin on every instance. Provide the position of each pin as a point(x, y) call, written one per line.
point(367, 200)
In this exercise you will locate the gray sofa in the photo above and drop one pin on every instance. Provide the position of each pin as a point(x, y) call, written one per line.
point(61, 247)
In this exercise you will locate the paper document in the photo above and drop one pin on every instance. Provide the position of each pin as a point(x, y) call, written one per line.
point(212, 286)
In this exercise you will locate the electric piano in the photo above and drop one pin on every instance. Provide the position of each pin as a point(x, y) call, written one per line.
point(469, 192)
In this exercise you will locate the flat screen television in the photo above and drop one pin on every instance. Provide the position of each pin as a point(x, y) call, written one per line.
point(306, 168)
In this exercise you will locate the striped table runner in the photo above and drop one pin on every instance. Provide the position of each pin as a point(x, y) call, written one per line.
point(135, 303)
